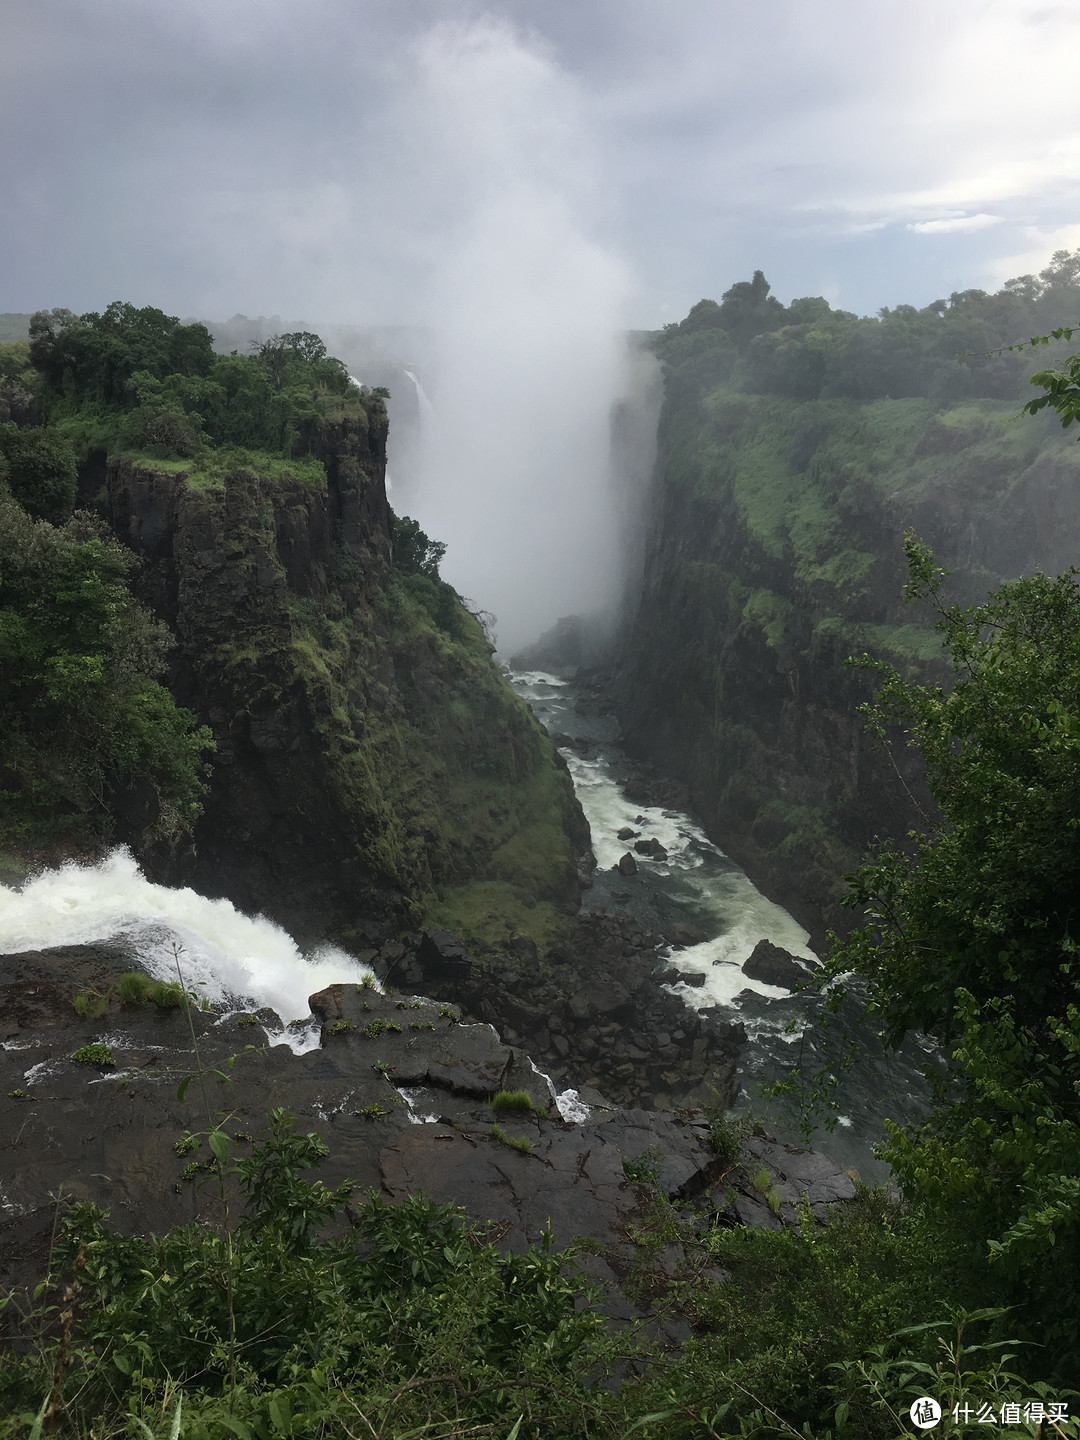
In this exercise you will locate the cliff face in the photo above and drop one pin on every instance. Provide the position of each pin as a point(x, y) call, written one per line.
point(775, 553)
point(372, 765)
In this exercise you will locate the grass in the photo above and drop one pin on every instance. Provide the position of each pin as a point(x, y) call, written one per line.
point(514, 1102)
point(521, 1143)
point(207, 471)
point(133, 988)
point(495, 911)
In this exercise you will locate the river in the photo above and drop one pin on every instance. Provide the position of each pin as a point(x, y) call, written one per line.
point(698, 884)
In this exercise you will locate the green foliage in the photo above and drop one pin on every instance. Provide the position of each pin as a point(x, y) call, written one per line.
point(513, 1102)
point(97, 1053)
point(793, 1303)
point(970, 932)
point(727, 1133)
point(41, 471)
point(94, 356)
point(139, 379)
point(646, 1168)
point(407, 1318)
point(81, 712)
point(167, 994)
point(414, 553)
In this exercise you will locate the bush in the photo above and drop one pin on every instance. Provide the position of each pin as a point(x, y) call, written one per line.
point(273, 1330)
point(42, 472)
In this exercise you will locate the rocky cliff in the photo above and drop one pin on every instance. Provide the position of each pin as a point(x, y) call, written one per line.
point(775, 552)
point(372, 765)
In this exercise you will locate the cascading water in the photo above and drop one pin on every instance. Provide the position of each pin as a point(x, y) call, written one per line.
point(226, 956)
point(424, 405)
point(695, 882)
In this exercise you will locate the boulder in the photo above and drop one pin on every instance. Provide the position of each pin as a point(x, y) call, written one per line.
point(772, 966)
point(442, 956)
point(626, 833)
point(627, 864)
point(651, 847)
point(682, 934)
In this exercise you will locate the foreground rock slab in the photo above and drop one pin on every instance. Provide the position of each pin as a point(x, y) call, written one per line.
point(397, 1087)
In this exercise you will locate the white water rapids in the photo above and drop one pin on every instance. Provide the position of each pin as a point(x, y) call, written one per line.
point(697, 883)
point(225, 956)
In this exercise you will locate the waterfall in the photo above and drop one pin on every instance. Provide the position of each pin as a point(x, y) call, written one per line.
point(227, 956)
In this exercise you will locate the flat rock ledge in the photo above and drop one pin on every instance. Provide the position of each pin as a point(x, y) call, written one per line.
point(398, 1088)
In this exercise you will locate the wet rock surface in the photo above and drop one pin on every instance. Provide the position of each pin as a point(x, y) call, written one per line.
point(112, 1128)
point(593, 1012)
point(772, 965)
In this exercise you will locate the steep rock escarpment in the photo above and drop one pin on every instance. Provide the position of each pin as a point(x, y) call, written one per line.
point(371, 762)
point(776, 553)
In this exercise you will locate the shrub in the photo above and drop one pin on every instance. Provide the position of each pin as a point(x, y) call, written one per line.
point(646, 1168)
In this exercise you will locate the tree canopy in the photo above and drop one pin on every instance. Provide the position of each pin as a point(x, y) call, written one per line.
point(971, 933)
point(82, 712)
point(952, 349)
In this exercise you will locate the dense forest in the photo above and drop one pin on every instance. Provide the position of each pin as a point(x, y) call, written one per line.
point(312, 1312)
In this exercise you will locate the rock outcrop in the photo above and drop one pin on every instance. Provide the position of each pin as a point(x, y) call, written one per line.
point(370, 756)
point(593, 1011)
point(774, 966)
point(93, 1108)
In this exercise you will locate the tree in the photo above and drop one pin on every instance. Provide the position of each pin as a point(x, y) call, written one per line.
point(414, 553)
point(82, 714)
point(42, 472)
point(93, 356)
point(972, 932)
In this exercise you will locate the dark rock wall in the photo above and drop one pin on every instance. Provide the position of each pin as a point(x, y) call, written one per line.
point(369, 753)
point(775, 552)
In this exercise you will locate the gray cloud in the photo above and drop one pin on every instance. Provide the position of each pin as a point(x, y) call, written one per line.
point(248, 155)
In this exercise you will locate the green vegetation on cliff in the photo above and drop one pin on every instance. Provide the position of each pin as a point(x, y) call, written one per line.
point(373, 765)
point(797, 444)
point(83, 715)
point(971, 933)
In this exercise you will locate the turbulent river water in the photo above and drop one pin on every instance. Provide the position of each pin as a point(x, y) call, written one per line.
point(697, 883)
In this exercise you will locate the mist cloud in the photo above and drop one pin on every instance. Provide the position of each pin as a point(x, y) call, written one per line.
point(527, 307)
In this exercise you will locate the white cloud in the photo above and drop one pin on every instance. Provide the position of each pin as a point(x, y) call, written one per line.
point(956, 224)
point(1041, 244)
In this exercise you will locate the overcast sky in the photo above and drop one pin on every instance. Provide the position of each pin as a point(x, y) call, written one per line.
point(319, 159)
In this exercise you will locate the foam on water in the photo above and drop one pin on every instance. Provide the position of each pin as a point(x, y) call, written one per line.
point(225, 955)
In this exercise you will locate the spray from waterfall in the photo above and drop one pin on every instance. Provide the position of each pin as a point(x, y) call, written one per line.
point(526, 300)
